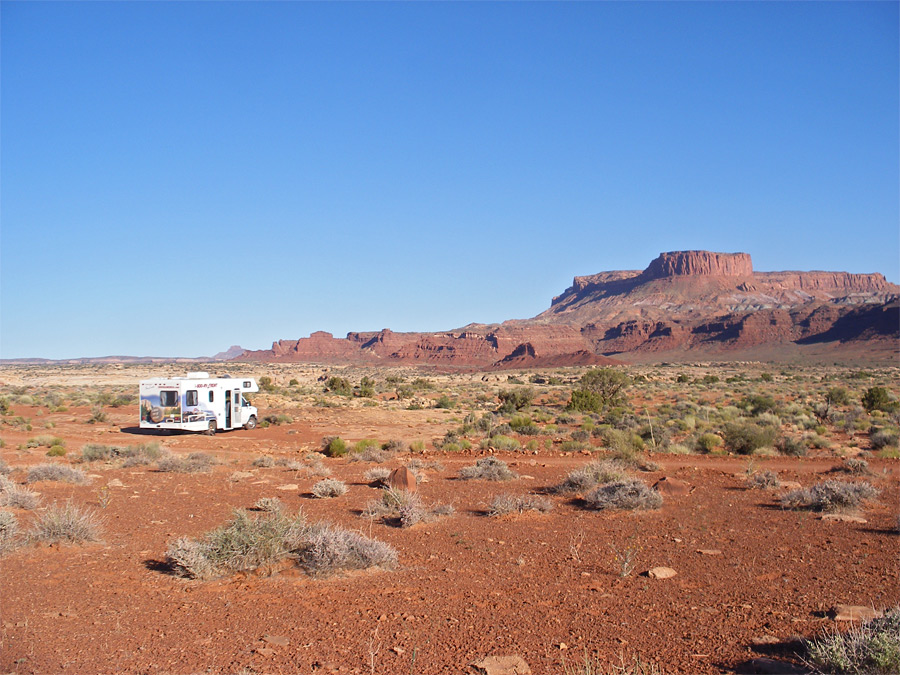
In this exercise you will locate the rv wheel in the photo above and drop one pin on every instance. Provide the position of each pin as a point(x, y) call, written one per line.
point(211, 431)
point(251, 423)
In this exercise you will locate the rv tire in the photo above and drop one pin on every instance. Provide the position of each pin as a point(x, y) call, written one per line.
point(251, 423)
point(211, 431)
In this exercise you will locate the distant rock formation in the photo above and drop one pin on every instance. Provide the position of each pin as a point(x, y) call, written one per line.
point(684, 305)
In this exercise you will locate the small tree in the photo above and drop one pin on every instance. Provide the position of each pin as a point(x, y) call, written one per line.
point(515, 399)
point(599, 388)
point(878, 398)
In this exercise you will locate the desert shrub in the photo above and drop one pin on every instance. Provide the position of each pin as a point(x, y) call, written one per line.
point(505, 504)
point(830, 496)
point(855, 467)
point(626, 495)
point(515, 399)
point(56, 451)
point(760, 403)
point(17, 496)
point(266, 384)
point(884, 438)
point(327, 549)
point(5, 468)
point(369, 451)
point(269, 505)
point(878, 398)
point(278, 419)
point(444, 402)
point(263, 462)
point(96, 452)
point(501, 442)
point(837, 396)
point(377, 476)
point(65, 524)
point(366, 387)
point(140, 455)
point(591, 475)
point(334, 446)
point(394, 446)
point(243, 543)
point(581, 435)
point(708, 442)
point(793, 447)
point(56, 472)
point(763, 480)
point(872, 648)
point(328, 488)
point(196, 462)
point(522, 424)
point(745, 437)
point(9, 532)
point(45, 441)
point(488, 468)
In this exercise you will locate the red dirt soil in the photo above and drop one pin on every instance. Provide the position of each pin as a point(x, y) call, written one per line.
point(545, 587)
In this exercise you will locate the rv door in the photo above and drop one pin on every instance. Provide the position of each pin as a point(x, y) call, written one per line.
point(236, 409)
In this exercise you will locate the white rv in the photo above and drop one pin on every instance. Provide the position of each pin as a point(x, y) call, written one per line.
point(197, 402)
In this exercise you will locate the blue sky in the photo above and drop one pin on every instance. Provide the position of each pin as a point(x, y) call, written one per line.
point(180, 177)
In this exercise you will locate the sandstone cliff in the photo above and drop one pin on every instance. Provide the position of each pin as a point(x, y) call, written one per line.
point(684, 304)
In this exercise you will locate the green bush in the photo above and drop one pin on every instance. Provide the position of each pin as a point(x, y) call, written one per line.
point(878, 398)
point(745, 437)
point(708, 442)
point(515, 399)
point(339, 385)
point(334, 446)
point(793, 447)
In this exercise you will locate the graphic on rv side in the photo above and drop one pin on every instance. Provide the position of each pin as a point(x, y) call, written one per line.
point(197, 403)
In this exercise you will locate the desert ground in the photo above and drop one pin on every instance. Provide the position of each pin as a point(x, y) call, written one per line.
point(564, 585)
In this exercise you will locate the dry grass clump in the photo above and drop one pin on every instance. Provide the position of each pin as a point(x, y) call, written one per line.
point(66, 524)
point(264, 462)
point(196, 462)
point(629, 494)
point(327, 549)
point(377, 476)
point(488, 468)
point(56, 472)
point(250, 543)
point(871, 648)
point(5, 468)
point(591, 475)
point(133, 455)
point(141, 455)
point(404, 508)
point(763, 480)
point(830, 496)
point(9, 532)
point(16, 496)
point(328, 488)
point(855, 467)
point(243, 543)
point(505, 504)
point(269, 505)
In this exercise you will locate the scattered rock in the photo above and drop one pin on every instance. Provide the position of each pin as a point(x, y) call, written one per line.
point(789, 485)
point(661, 573)
point(265, 651)
point(672, 487)
point(288, 487)
point(501, 665)
point(709, 551)
point(843, 518)
point(279, 640)
point(115, 482)
point(402, 479)
point(240, 475)
point(854, 613)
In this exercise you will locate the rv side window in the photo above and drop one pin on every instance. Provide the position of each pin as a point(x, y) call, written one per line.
point(211, 397)
point(191, 398)
point(168, 399)
point(247, 384)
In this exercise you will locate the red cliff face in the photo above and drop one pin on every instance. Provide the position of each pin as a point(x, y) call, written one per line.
point(699, 263)
point(684, 303)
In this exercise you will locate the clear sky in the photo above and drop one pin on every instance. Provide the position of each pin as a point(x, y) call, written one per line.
point(180, 177)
